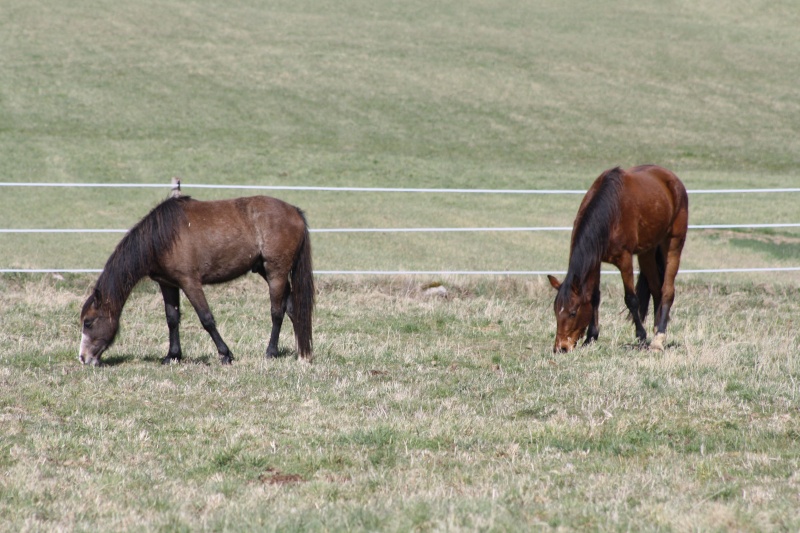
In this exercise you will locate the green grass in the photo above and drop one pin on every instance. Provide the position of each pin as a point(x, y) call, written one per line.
point(419, 413)
point(362, 94)
point(779, 249)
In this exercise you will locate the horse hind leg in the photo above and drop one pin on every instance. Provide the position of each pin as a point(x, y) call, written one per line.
point(672, 262)
point(279, 297)
point(288, 306)
point(657, 285)
point(649, 286)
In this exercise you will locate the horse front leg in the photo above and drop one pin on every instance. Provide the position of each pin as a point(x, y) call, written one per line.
point(172, 308)
point(625, 265)
point(667, 292)
point(194, 292)
point(594, 326)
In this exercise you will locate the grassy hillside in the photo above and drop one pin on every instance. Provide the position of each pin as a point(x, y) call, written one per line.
point(461, 94)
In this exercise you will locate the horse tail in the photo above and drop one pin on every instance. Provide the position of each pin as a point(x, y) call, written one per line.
point(303, 293)
point(643, 287)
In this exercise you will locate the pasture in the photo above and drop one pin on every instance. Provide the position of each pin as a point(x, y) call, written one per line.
point(420, 412)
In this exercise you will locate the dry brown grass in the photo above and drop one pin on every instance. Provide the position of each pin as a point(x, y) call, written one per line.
point(419, 412)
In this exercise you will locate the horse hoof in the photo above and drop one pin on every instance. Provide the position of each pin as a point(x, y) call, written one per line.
point(657, 344)
point(226, 359)
point(171, 359)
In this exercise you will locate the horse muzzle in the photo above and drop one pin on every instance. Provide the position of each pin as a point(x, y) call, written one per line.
point(89, 353)
point(563, 345)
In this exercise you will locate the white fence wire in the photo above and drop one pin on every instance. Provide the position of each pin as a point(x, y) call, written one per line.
point(365, 189)
point(400, 230)
point(417, 230)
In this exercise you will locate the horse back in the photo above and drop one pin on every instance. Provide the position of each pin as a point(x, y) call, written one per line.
point(224, 239)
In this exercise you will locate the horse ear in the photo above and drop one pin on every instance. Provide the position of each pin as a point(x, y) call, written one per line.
point(554, 282)
point(96, 299)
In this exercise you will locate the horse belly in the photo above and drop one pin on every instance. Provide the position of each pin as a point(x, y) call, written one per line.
point(227, 260)
point(209, 257)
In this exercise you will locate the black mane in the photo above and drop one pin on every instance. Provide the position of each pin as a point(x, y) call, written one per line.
point(138, 250)
point(590, 238)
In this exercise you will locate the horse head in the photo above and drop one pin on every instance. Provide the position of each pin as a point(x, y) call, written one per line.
point(573, 309)
point(99, 329)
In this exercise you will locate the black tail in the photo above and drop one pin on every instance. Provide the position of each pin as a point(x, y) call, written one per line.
point(303, 294)
point(643, 288)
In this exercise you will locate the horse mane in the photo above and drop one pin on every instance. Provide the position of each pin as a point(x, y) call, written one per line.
point(590, 237)
point(135, 254)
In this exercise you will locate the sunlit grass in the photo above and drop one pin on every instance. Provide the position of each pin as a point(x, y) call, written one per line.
point(453, 95)
point(419, 410)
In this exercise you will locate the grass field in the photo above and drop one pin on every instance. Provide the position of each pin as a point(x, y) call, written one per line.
point(420, 413)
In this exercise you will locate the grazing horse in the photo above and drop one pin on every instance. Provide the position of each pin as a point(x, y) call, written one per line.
point(183, 244)
point(643, 211)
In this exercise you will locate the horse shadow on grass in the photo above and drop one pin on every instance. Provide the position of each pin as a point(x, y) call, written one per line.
point(117, 360)
point(284, 352)
point(636, 347)
point(204, 360)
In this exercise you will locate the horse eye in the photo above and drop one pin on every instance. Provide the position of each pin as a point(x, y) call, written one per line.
point(87, 324)
point(573, 314)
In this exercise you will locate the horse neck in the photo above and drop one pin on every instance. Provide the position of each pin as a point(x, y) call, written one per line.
point(583, 277)
point(140, 249)
point(585, 259)
point(119, 277)
point(590, 240)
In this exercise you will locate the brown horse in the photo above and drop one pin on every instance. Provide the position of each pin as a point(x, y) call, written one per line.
point(643, 211)
point(183, 244)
